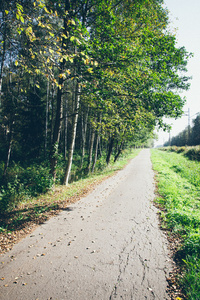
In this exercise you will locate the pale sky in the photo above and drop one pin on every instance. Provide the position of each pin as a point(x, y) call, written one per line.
point(185, 18)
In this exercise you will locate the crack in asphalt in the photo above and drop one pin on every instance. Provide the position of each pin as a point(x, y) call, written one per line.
point(123, 264)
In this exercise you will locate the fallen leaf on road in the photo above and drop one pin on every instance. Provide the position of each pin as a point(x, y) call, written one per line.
point(2, 278)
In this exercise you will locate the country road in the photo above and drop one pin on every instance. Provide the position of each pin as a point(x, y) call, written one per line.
point(106, 246)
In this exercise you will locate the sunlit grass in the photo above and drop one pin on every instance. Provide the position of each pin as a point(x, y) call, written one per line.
point(178, 181)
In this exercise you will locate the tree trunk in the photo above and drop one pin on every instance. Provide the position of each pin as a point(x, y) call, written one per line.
point(58, 122)
point(46, 121)
point(9, 149)
point(96, 152)
point(74, 126)
point(110, 148)
point(97, 144)
point(52, 112)
point(65, 130)
point(2, 60)
point(119, 151)
point(84, 133)
point(91, 150)
point(56, 132)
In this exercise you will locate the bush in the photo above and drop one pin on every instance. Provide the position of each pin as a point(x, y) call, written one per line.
point(181, 149)
point(36, 179)
point(193, 153)
point(11, 194)
point(21, 183)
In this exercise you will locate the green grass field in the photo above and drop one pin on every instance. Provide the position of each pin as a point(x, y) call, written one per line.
point(178, 181)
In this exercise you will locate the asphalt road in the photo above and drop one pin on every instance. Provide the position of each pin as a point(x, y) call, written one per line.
point(106, 246)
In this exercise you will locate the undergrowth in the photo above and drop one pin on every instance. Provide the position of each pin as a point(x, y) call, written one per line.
point(191, 152)
point(179, 189)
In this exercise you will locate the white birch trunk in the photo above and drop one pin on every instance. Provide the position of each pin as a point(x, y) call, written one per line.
point(74, 126)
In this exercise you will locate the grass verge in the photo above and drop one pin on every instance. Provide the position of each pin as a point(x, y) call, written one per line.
point(178, 182)
point(34, 211)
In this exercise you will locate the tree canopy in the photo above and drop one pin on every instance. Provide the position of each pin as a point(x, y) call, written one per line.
point(85, 77)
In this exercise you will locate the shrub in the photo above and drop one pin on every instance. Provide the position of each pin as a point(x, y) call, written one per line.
point(193, 153)
point(22, 183)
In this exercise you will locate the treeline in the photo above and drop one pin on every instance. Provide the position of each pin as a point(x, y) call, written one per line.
point(84, 78)
point(190, 136)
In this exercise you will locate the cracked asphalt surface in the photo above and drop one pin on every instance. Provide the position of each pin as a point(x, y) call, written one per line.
point(106, 246)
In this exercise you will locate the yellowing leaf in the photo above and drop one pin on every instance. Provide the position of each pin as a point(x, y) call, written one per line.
point(90, 70)
point(21, 19)
point(16, 63)
point(46, 10)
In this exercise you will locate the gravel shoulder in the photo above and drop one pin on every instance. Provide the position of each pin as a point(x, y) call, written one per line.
point(108, 245)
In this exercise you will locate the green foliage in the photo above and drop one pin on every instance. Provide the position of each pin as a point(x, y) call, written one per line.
point(193, 153)
point(179, 187)
point(113, 64)
point(11, 194)
point(37, 179)
point(191, 282)
point(21, 183)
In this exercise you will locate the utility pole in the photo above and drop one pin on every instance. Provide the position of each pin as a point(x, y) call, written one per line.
point(169, 137)
point(187, 114)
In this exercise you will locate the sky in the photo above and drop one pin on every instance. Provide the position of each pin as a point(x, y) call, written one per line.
point(184, 19)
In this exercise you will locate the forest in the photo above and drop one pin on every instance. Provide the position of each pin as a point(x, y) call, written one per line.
point(80, 81)
point(190, 136)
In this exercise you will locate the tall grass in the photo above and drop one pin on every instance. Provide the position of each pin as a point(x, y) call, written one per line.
point(179, 190)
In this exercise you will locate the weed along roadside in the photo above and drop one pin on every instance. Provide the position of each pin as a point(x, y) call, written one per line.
point(28, 212)
point(178, 195)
